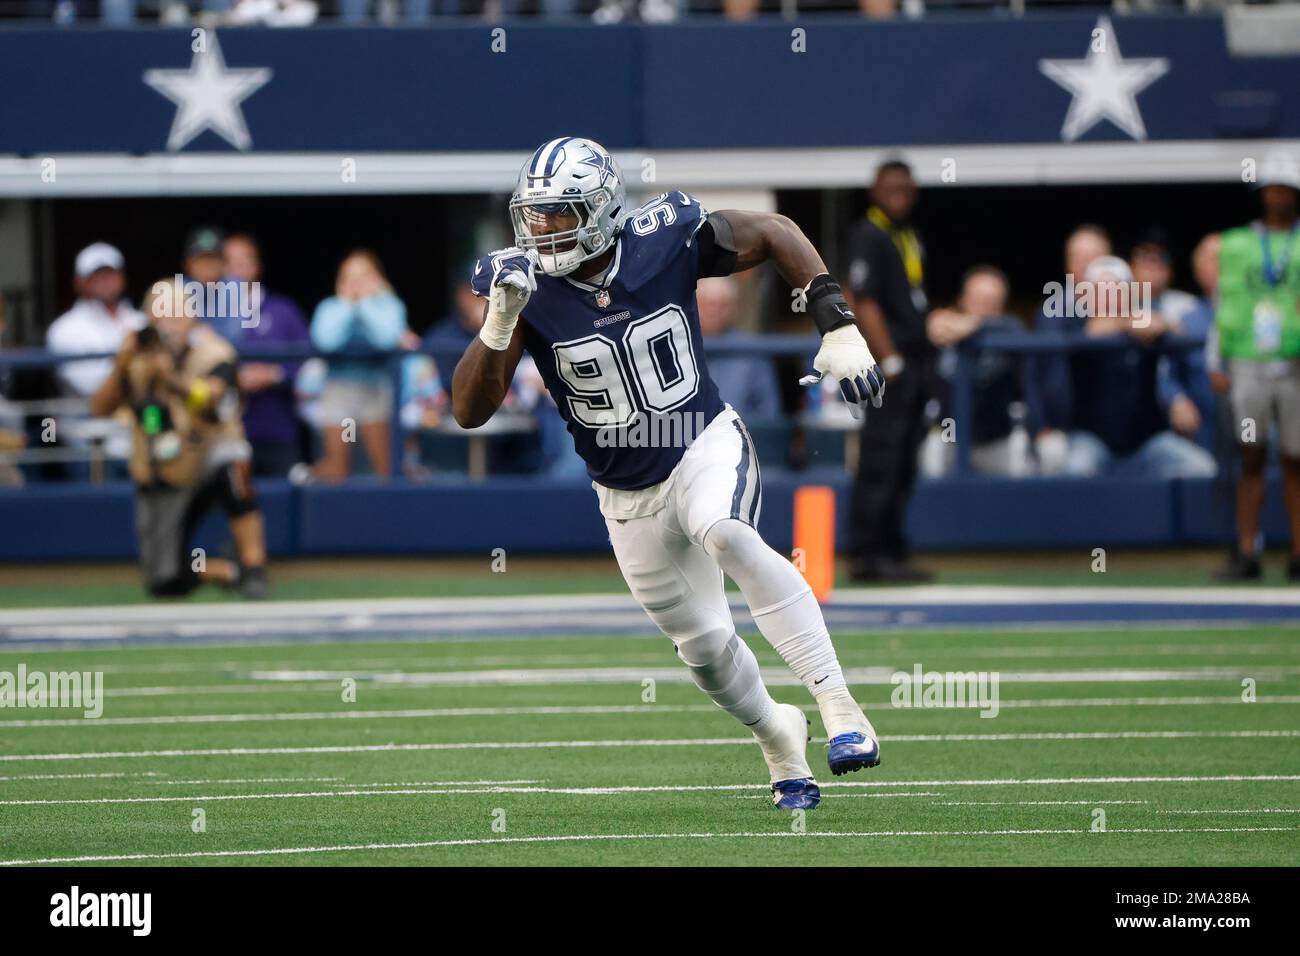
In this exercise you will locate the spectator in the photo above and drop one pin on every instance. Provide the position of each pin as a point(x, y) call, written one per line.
point(270, 416)
point(423, 403)
point(1049, 410)
point(746, 382)
point(878, 9)
point(98, 322)
point(358, 392)
point(982, 307)
point(271, 13)
point(1259, 334)
point(1151, 263)
point(886, 288)
point(550, 449)
point(12, 438)
point(1183, 381)
point(177, 379)
point(204, 262)
point(1108, 397)
point(204, 258)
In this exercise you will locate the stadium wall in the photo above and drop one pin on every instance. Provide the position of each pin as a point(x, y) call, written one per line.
point(528, 515)
point(928, 85)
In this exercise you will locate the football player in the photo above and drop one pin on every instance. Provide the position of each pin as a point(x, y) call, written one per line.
point(603, 298)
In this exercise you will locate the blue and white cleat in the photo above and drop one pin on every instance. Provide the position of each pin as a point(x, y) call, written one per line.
point(852, 751)
point(796, 794)
point(784, 743)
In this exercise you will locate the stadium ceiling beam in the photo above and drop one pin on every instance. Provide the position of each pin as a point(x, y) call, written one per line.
point(253, 174)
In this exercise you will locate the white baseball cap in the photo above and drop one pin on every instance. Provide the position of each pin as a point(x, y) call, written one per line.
point(98, 255)
point(1278, 169)
point(1108, 268)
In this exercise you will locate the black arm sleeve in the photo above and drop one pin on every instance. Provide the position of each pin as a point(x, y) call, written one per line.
point(717, 247)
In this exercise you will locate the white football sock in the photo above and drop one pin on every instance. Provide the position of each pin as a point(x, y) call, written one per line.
point(781, 603)
point(842, 715)
point(733, 681)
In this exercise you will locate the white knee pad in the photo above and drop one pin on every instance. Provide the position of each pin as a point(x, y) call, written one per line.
point(730, 540)
point(702, 640)
point(733, 681)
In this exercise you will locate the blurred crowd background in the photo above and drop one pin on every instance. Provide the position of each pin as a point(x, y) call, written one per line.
point(299, 13)
point(1152, 403)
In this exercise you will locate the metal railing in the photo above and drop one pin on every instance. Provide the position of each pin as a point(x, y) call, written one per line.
point(962, 394)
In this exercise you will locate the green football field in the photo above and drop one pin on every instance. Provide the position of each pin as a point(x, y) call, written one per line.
point(1112, 746)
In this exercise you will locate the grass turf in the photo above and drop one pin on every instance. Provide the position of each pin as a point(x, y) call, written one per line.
point(944, 794)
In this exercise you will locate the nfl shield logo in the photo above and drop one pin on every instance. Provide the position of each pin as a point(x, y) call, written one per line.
point(602, 299)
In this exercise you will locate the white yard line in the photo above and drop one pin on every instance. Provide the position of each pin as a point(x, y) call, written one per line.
point(1036, 803)
point(471, 787)
point(426, 712)
point(591, 837)
point(579, 710)
point(77, 776)
point(1238, 810)
point(849, 654)
point(169, 783)
point(782, 677)
point(595, 744)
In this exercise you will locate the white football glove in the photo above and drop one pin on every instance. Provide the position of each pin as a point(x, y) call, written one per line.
point(512, 285)
point(844, 356)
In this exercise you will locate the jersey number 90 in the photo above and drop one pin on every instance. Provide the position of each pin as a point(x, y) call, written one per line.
point(659, 374)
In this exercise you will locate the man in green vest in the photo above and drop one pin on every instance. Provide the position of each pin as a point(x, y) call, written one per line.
point(1258, 329)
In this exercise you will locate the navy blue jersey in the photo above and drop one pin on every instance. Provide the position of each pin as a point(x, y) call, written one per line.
point(624, 361)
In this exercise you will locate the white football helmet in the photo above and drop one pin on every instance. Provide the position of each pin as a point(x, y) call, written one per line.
point(568, 178)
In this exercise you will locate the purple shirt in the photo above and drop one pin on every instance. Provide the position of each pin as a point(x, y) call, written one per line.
point(270, 415)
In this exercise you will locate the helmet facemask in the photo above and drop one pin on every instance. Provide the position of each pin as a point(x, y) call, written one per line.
point(560, 251)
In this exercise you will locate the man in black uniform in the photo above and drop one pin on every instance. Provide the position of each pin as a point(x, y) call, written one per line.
point(886, 290)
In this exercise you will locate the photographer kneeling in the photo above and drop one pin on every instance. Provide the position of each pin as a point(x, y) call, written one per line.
point(188, 450)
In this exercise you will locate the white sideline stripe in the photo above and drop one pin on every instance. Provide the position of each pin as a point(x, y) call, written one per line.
point(361, 608)
point(563, 710)
point(853, 620)
point(779, 677)
point(591, 744)
point(587, 837)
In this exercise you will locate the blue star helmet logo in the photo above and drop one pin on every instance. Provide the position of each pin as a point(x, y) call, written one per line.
point(599, 161)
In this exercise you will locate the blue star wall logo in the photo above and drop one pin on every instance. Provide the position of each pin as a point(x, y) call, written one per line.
point(1104, 85)
point(207, 97)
